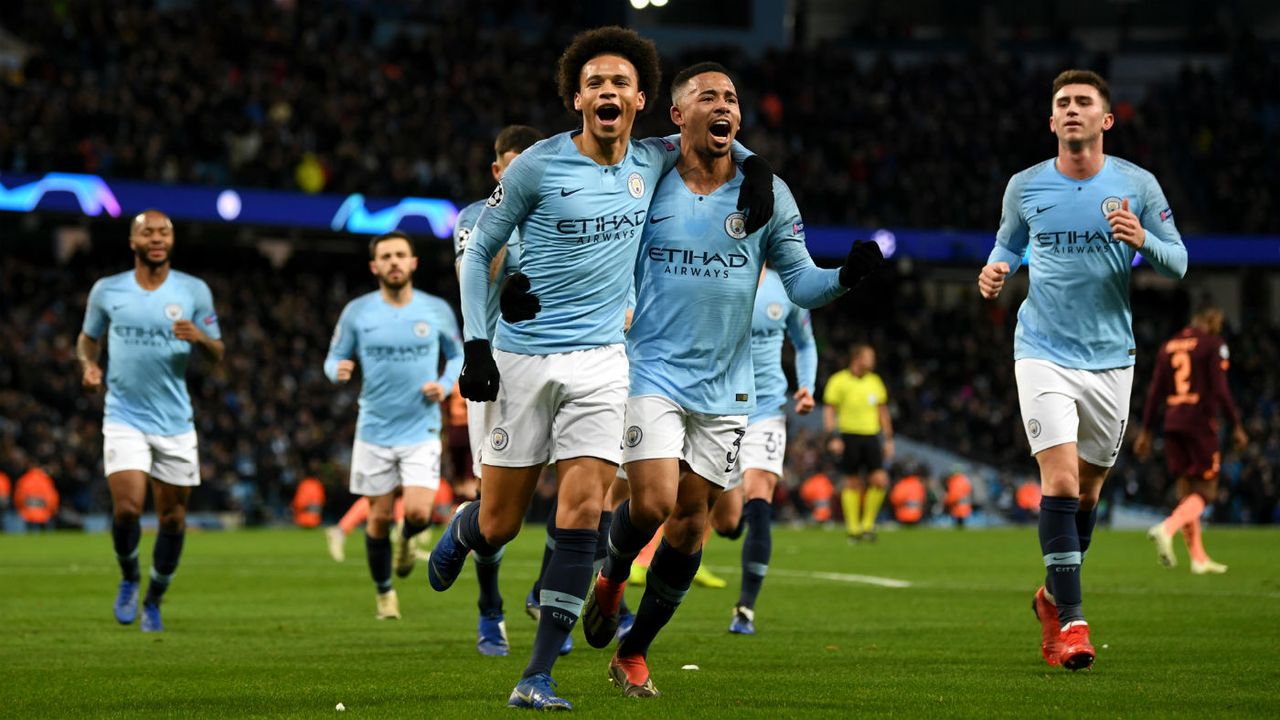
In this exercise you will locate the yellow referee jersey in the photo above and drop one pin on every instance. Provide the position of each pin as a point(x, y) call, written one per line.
point(857, 401)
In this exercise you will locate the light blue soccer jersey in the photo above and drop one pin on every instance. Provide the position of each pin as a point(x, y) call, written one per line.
point(690, 338)
point(146, 364)
point(580, 224)
point(510, 263)
point(1077, 314)
point(398, 350)
point(774, 316)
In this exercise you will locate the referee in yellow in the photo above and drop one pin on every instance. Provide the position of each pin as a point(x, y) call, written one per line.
point(857, 405)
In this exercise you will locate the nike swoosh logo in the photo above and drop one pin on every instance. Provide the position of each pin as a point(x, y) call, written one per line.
point(657, 220)
point(369, 329)
point(1042, 209)
point(567, 193)
point(117, 307)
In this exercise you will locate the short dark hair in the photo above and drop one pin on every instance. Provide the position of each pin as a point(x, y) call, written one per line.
point(693, 71)
point(1083, 77)
point(516, 138)
point(393, 235)
point(611, 40)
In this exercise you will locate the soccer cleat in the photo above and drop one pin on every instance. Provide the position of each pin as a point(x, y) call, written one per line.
point(1164, 545)
point(421, 545)
point(448, 557)
point(1207, 567)
point(491, 636)
point(639, 573)
point(708, 579)
point(151, 618)
point(126, 607)
point(744, 621)
point(537, 692)
point(600, 611)
point(388, 606)
point(632, 675)
point(337, 542)
point(854, 538)
point(870, 537)
point(1075, 652)
point(1047, 613)
point(532, 607)
point(403, 558)
point(626, 619)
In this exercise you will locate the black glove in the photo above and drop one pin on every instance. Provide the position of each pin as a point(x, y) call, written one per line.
point(516, 302)
point(864, 257)
point(479, 379)
point(756, 194)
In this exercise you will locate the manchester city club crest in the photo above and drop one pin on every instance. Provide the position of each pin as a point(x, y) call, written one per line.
point(495, 197)
point(774, 311)
point(736, 225)
point(1111, 205)
point(635, 185)
point(173, 311)
point(1033, 428)
point(634, 436)
point(498, 439)
point(421, 329)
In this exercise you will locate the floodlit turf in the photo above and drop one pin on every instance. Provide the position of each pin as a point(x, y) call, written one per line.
point(263, 623)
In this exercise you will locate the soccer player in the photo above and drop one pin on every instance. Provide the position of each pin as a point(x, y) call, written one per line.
point(580, 199)
point(764, 445)
point(857, 405)
point(1083, 215)
point(1190, 385)
point(689, 348)
point(155, 316)
point(395, 335)
point(491, 633)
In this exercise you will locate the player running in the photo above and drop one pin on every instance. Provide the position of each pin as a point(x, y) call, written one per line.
point(395, 335)
point(155, 315)
point(692, 382)
point(1190, 385)
point(580, 199)
point(1083, 215)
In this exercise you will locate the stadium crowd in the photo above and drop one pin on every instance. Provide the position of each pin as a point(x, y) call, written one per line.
point(253, 96)
point(267, 417)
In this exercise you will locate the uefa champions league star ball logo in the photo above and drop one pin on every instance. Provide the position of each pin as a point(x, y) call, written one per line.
point(774, 311)
point(498, 439)
point(495, 198)
point(635, 185)
point(736, 226)
point(173, 311)
point(634, 436)
point(1033, 428)
point(463, 235)
point(1111, 205)
point(421, 329)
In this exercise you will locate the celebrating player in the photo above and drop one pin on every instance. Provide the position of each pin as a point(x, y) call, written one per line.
point(395, 335)
point(155, 315)
point(689, 347)
point(1190, 385)
point(1084, 215)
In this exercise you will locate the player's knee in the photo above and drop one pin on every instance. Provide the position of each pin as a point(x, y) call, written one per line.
point(651, 511)
point(685, 533)
point(417, 516)
point(127, 513)
point(498, 530)
point(1088, 501)
point(173, 520)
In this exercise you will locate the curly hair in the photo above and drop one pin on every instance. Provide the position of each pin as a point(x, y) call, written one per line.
point(611, 40)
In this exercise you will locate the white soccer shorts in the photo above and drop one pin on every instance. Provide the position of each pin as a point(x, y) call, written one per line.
point(1062, 405)
point(476, 432)
point(764, 446)
point(172, 459)
point(659, 428)
point(379, 470)
point(562, 406)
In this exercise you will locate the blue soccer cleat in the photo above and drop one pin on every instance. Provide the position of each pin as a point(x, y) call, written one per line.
point(744, 621)
point(626, 619)
point(448, 556)
point(151, 618)
point(537, 692)
point(126, 607)
point(491, 636)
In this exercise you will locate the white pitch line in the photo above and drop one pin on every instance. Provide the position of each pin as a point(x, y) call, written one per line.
point(841, 577)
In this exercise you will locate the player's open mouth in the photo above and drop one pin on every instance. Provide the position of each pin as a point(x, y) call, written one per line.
point(608, 114)
point(720, 129)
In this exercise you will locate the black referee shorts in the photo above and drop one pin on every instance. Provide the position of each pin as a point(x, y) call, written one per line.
point(862, 454)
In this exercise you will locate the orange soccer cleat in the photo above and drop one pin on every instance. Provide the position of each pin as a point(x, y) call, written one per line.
point(1047, 613)
point(1075, 651)
point(600, 611)
point(631, 673)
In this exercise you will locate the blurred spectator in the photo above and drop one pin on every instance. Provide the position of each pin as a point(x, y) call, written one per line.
point(308, 503)
point(908, 499)
point(36, 499)
point(959, 499)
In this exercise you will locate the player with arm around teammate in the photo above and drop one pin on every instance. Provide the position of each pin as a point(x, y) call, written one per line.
point(1083, 215)
point(154, 316)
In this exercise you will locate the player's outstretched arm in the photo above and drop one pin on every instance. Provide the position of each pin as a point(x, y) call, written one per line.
point(808, 285)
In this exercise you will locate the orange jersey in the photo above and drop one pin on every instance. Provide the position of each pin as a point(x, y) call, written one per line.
point(908, 499)
point(35, 498)
point(308, 503)
point(1027, 496)
point(959, 499)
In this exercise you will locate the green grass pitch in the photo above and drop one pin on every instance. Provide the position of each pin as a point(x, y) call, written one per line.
point(264, 624)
